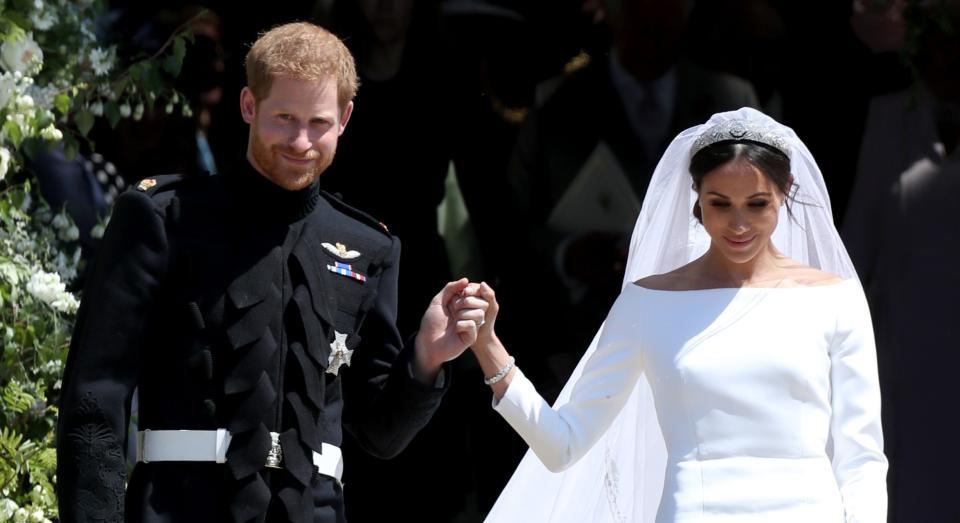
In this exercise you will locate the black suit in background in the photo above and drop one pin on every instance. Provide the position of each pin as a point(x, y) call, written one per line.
point(212, 296)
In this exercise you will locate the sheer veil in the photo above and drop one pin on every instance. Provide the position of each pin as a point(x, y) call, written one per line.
point(621, 478)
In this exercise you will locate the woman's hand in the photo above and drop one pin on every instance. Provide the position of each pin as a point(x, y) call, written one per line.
point(480, 296)
point(490, 352)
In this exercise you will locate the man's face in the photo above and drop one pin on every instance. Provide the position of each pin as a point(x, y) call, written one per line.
point(294, 130)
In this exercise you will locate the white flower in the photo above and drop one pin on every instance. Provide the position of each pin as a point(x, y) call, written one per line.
point(8, 86)
point(4, 162)
point(7, 506)
point(9, 272)
point(53, 367)
point(44, 95)
point(66, 303)
point(36, 516)
point(46, 286)
point(138, 112)
point(86, 29)
point(21, 55)
point(101, 61)
point(97, 231)
point(43, 20)
point(20, 516)
point(97, 108)
point(25, 101)
point(20, 119)
point(168, 109)
point(125, 110)
point(51, 133)
point(71, 234)
point(67, 269)
point(60, 221)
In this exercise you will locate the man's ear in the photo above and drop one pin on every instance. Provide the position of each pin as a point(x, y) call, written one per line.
point(345, 117)
point(248, 105)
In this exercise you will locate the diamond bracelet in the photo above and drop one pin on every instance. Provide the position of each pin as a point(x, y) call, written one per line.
point(502, 373)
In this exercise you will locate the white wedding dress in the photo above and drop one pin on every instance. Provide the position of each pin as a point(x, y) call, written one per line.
point(767, 399)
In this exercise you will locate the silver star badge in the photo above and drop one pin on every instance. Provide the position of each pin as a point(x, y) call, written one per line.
point(339, 353)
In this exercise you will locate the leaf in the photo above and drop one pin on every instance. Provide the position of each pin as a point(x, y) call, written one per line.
point(112, 111)
point(174, 61)
point(43, 465)
point(10, 440)
point(13, 133)
point(62, 103)
point(70, 147)
point(9, 272)
point(16, 399)
point(20, 21)
point(151, 78)
point(32, 147)
point(84, 120)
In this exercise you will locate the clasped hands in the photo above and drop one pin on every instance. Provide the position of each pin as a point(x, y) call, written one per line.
point(459, 316)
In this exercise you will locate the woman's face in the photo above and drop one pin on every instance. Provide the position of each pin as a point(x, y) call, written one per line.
point(739, 206)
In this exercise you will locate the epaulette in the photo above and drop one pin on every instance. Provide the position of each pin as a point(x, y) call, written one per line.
point(355, 213)
point(155, 184)
point(160, 189)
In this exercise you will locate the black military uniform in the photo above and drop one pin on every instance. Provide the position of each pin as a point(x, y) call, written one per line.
point(225, 300)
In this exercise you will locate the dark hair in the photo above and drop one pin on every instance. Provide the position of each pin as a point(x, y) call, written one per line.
point(771, 162)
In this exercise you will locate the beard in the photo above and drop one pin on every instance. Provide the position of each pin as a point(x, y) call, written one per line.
point(289, 176)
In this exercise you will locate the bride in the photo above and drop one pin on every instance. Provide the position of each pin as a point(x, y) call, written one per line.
point(734, 379)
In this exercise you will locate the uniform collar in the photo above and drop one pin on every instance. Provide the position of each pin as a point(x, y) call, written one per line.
point(266, 200)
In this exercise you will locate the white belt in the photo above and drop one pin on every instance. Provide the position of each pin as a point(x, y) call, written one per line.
point(212, 445)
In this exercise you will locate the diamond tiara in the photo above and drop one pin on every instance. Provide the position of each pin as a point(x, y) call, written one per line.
point(740, 131)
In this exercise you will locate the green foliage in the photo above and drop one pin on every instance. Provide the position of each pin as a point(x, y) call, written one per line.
point(62, 78)
point(35, 322)
point(56, 80)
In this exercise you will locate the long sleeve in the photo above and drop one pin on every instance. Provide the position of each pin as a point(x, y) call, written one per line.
point(104, 362)
point(385, 405)
point(858, 460)
point(560, 437)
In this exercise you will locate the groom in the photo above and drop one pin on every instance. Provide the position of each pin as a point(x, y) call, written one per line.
point(256, 317)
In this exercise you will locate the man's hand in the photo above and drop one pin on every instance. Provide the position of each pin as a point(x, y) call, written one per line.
point(448, 327)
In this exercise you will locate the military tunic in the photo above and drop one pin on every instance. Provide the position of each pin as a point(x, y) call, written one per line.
point(229, 302)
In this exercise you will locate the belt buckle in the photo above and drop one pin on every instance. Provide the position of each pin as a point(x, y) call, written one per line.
point(275, 455)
